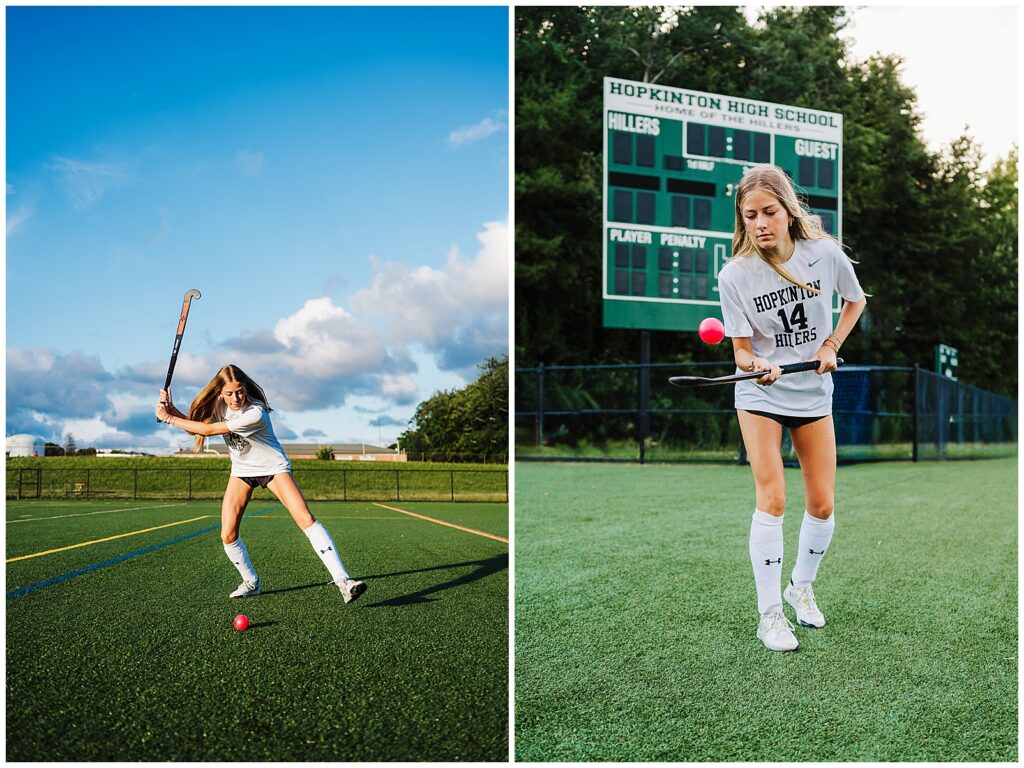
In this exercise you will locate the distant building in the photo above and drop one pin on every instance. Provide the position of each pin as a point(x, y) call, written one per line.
point(296, 451)
point(25, 445)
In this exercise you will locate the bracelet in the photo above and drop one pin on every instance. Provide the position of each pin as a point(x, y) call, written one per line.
point(835, 343)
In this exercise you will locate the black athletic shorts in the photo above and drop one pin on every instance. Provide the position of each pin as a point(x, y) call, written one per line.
point(261, 481)
point(788, 421)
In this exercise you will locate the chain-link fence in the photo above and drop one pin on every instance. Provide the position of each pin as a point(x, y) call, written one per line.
point(631, 413)
point(195, 483)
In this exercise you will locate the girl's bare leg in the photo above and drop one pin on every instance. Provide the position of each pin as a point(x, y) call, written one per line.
point(815, 446)
point(287, 491)
point(236, 498)
point(763, 439)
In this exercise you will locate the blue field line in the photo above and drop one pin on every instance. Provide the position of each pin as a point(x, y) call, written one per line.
point(89, 568)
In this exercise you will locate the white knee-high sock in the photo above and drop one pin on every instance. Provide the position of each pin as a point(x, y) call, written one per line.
point(324, 546)
point(766, 558)
point(815, 536)
point(238, 555)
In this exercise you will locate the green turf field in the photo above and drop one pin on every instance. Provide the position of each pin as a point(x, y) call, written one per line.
point(636, 616)
point(136, 660)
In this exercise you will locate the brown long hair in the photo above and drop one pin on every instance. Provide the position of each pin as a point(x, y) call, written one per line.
point(206, 406)
point(803, 224)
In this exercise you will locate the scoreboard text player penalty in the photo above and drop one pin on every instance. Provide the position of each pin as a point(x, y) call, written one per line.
point(672, 159)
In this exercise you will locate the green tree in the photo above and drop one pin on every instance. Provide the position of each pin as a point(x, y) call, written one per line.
point(933, 235)
point(996, 269)
point(562, 55)
point(464, 424)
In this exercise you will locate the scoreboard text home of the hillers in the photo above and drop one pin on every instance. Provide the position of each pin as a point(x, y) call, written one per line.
point(672, 160)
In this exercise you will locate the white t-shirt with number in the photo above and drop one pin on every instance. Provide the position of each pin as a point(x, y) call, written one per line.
point(252, 445)
point(785, 323)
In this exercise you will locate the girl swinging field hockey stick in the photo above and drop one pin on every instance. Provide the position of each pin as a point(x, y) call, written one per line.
point(233, 405)
point(776, 294)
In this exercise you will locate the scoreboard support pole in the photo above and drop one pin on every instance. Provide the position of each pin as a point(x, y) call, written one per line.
point(914, 413)
point(539, 420)
point(644, 393)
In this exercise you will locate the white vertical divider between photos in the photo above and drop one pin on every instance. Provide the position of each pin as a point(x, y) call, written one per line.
point(511, 384)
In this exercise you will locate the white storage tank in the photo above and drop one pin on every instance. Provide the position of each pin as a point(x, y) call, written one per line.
point(25, 445)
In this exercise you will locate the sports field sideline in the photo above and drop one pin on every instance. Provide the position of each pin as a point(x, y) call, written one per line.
point(636, 618)
point(120, 644)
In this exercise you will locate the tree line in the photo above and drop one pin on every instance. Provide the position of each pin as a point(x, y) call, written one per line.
point(934, 234)
point(468, 424)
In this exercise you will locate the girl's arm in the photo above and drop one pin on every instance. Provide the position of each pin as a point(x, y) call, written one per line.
point(743, 354)
point(192, 427)
point(848, 317)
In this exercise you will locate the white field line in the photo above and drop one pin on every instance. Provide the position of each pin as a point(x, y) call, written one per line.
point(100, 512)
point(443, 522)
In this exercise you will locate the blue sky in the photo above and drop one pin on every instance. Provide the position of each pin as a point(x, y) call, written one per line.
point(334, 180)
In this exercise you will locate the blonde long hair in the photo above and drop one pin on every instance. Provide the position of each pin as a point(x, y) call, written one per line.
point(803, 225)
point(207, 405)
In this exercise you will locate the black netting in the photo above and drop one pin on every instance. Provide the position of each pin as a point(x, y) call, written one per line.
point(957, 420)
point(630, 412)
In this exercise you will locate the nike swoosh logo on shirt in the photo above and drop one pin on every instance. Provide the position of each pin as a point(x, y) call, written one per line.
point(812, 263)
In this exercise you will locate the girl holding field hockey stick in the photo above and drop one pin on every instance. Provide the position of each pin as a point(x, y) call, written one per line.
point(233, 405)
point(776, 293)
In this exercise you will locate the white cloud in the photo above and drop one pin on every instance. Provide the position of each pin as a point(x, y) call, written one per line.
point(457, 313)
point(471, 133)
point(21, 205)
point(18, 216)
point(191, 372)
point(42, 380)
point(398, 388)
point(484, 278)
point(249, 163)
point(322, 339)
point(317, 357)
point(94, 432)
point(417, 304)
point(86, 183)
point(164, 234)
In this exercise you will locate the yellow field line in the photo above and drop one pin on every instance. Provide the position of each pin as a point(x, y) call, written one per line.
point(442, 522)
point(109, 538)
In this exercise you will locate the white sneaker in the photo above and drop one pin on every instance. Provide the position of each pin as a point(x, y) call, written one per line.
point(802, 600)
point(248, 589)
point(776, 633)
point(351, 589)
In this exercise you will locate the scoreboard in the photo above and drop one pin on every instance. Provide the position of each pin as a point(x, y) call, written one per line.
point(672, 160)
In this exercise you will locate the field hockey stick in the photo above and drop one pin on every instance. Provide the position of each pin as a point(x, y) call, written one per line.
point(701, 381)
point(190, 294)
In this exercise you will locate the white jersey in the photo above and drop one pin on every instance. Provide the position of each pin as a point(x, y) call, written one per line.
point(785, 323)
point(252, 445)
